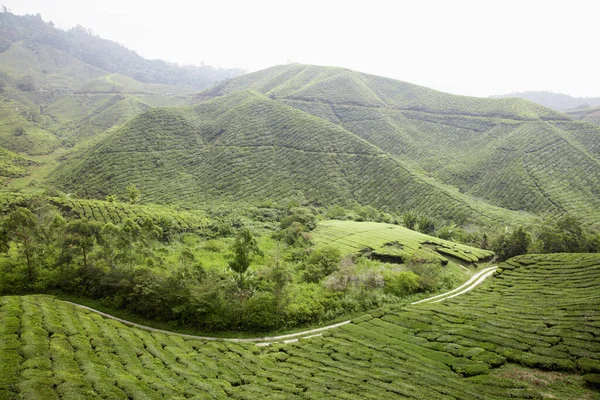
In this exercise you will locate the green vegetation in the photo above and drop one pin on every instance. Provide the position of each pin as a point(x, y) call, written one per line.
point(444, 350)
point(215, 271)
point(521, 156)
point(387, 241)
point(591, 115)
point(233, 148)
point(13, 165)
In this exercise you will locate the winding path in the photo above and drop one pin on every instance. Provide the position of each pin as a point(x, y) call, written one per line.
point(294, 337)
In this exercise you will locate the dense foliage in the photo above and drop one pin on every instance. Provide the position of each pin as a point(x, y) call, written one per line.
point(229, 274)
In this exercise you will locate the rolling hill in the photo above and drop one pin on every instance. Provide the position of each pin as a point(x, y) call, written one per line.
point(61, 88)
point(247, 148)
point(103, 55)
point(591, 115)
point(556, 101)
point(512, 153)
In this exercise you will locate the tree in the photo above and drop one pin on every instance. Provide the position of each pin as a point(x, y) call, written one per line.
point(566, 235)
point(21, 226)
point(109, 239)
point(244, 249)
point(82, 234)
point(512, 243)
point(281, 275)
point(133, 193)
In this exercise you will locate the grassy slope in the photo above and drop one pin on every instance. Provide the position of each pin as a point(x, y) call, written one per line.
point(591, 115)
point(13, 165)
point(51, 349)
point(70, 101)
point(114, 212)
point(49, 69)
point(511, 152)
point(390, 240)
point(248, 148)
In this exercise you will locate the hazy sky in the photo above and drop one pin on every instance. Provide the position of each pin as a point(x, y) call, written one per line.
point(466, 47)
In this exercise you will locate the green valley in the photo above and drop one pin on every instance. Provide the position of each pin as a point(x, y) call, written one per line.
point(298, 232)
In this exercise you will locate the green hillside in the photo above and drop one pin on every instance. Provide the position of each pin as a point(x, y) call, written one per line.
point(388, 241)
point(13, 165)
point(249, 149)
point(510, 152)
point(61, 88)
point(493, 343)
point(103, 55)
point(115, 212)
point(556, 101)
point(591, 115)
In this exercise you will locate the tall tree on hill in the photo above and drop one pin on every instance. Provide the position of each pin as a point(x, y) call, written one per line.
point(245, 248)
point(512, 243)
point(566, 235)
point(22, 227)
point(82, 235)
point(133, 193)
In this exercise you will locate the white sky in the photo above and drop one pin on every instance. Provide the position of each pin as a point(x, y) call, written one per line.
point(476, 48)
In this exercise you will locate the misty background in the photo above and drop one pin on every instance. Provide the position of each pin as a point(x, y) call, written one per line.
point(462, 47)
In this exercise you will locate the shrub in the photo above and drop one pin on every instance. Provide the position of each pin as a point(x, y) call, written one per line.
point(260, 312)
point(402, 283)
point(321, 262)
point(512, 243)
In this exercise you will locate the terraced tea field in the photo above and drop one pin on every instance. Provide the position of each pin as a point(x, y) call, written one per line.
point(539, 311)
point(114, 212)
point(386, 240)
point(104, 211)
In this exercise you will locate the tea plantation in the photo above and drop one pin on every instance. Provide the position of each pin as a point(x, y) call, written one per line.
point(232, 149)
point(538, 311)
point(385, 240)
point(115, 212)
point(511, 153)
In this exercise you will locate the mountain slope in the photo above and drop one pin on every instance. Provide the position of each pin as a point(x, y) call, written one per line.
point(511, 152)
point(105, 55)
point(556, 101)
point(60, 88)
point(591, 115)
point(248, 148)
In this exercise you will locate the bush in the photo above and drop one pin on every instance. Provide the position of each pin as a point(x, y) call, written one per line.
point(592, 380)
point(402, 283)
point(321, 262)
point(302, 215)
point(512, 243)
point(260, 312)
point(214, 245)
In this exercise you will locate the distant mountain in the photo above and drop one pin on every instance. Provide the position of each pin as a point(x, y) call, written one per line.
point(591, 115)
point(105, 55)
point(556, 101)
point(60, 87)
point(510, 152)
